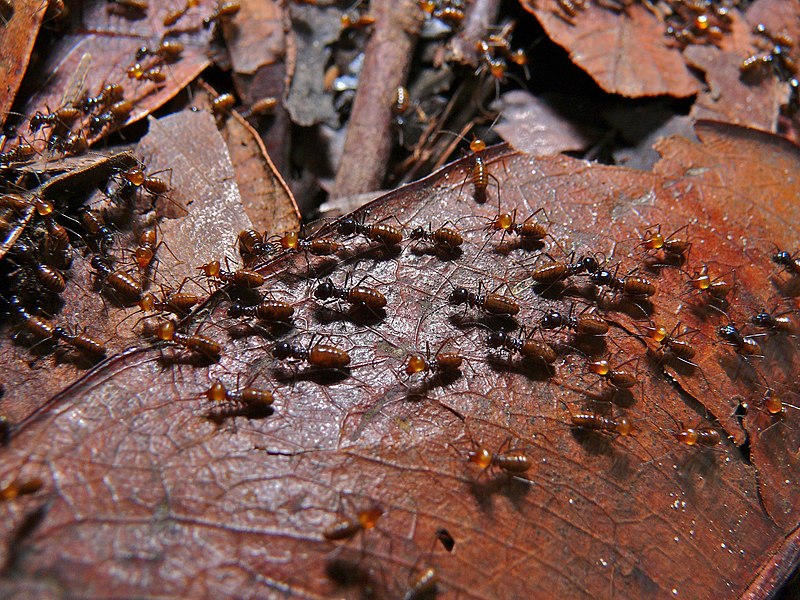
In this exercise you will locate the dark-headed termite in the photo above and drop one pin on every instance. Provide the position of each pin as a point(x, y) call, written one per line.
point(165, 331)
point(249, 397)
point(493, 304)
point(168, 50)
point(242, 278)
point(317, 246)
point(109, 94)
point(790, 262)
point(347, 528)
point(97, 231)
point(224, 9)
point(83, 342)
point(39, 327)
point(253, 245)
point(746, 346)
point(321, 356)
point(526, 347)
point(629, 285)
point(559, 271)
point(115, 114)
point(777, 323)
point(57, 246)
point(379, 232)
point(48, 277)
point(356, 295)
point(583, 324)
point(266, 310)
point(64, 116)
point(444, 239)
point(20, 487)
point(120, 282)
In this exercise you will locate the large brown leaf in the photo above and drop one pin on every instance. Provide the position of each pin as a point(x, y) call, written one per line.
point(18, 31)
point(143, 494)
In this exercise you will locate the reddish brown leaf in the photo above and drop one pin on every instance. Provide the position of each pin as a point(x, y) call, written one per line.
point(625, 53)
point(109, 49)
point(255, 36)
point(145, 493)
point(18, 30)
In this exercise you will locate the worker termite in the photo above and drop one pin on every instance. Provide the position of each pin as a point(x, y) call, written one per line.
point(670, 345)
point(358, 295)
point(165, 331)
point(347, 528)
point(744, 345)
point(243, 278)
point(445, 240)
point(322, 356)
point(222, 104)
point(141, 73)
point(57, 249)
point(512, 462)
point(223, 10)
point(122, 283)
point(423, 584)
point(527, 347)
point(716, 289)
point(674, 249)
point(583, 324)
point(617, 377)
point(253, 246)
point(317, 246)
point(253, 400)
point(266, 310)
point(442, 365)
point(596, 422)
point(379, 232)
point(83, 342)
point(175, 15)
point(490, 303)
point(48, 277)
point(39, 327)
point(527, 231)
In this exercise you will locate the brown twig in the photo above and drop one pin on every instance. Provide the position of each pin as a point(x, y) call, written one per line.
point(387, 60)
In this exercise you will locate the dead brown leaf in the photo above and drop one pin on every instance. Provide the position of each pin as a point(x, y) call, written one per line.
point(625, 53)
point(145, 492)
point(18, 30)
point(255, 36)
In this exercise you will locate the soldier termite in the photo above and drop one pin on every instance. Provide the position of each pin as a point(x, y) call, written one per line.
point(442, 363)
point(317, 247)
point(251, 399)
point(490, 303)
point(527, 231)
point(716, 289)
point(378, 232)
point(20, 487)
point(674, 248)
point(348, 528)
point(512, 462)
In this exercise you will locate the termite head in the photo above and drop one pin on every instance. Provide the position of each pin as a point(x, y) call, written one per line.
point(415, 364)
point(481, 457)
point(282, 350)
point(497, 339)
point(217, 392)
point(552, 320)
point(324, 290)
point(599, 367)
point(347, 226)
point(460, 295)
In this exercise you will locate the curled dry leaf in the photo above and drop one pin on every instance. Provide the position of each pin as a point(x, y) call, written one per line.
point(255, 35)
point(626, 53)
point(146, 492)
point(82, 64)
point(532, 126)
point(19, 27)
